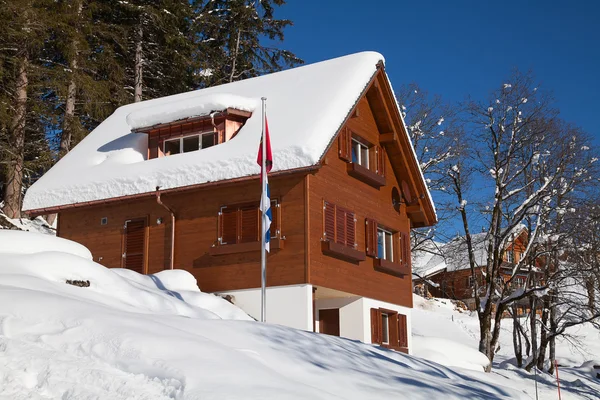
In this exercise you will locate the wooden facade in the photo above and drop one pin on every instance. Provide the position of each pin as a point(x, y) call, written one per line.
point(342, 225)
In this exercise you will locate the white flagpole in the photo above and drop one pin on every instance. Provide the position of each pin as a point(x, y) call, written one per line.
point(263, 253)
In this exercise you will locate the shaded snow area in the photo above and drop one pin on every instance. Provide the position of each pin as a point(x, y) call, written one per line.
point(37, 224)
point(447, 336)
point(129, 336)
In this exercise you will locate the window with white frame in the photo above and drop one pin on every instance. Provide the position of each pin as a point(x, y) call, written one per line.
point(360, 153)
point(509, 256)
point(385, 244)
point(185, 144)
point(385, 328)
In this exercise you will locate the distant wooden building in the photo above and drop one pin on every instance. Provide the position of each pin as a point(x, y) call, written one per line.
point(173, 183)
point(448, 274)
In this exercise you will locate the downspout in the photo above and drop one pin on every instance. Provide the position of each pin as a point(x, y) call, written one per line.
point(172, 255)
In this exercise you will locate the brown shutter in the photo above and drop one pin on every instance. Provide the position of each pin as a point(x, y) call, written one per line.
point(371, 237)
point(380, 161)
point(135, 244)
point(350, 230)
point(228, 225)
point(152, 146)
point(402, 331)
point(376, 334)
point(405, 249)
point(328, 221)
point(394, 330)
point(345, 144)
point(275, 219)
point(250, 224)
point(340, 225)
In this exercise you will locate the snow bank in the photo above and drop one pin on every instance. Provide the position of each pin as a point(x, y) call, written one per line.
point(21, 242)
point(448, 352)
point(129, 336)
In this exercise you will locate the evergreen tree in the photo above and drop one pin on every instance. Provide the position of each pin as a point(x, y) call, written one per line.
point(230, 40)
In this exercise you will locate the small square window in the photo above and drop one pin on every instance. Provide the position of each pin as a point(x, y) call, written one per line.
point(385, 244)
point(191, 143)
point(104, 221)
point(172, 146)
point(208, 140)
point(360, 153)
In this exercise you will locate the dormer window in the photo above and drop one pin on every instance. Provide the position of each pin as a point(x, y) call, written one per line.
point(185, 144)
point(193, 134)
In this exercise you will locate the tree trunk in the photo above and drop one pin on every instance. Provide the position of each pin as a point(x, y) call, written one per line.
point(485, 339)
point(553, 329)
point(139, 65)
point(517, 342)
point(533, 326)
point(543, 334)
point(69, 117)
point(591, 293)
point(235, 55)
point(14, 173)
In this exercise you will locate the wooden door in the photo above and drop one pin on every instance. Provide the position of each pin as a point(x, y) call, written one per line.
point(329, 322)
point(134, 245)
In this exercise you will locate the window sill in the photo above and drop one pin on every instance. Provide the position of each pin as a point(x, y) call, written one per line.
point(395, 348)
point(343, 252)
point(366, 175)
point(276, 244)
point(391, 268)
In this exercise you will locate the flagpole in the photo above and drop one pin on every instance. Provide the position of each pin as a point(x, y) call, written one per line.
point(263, 253)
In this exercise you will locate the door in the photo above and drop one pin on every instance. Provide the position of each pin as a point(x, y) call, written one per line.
point(329, 321)
point(134, 245)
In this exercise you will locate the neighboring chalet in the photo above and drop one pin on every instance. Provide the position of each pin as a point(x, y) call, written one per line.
point(445, 271)
point(173, 183)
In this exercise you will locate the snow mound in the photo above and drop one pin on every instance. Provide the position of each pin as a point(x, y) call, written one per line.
point(21, 242)
point(448, 352)
point(129, 336)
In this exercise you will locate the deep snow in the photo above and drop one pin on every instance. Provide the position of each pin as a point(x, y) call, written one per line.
point(129, 336)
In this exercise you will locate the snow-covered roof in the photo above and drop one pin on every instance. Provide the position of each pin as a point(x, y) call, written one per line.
point(306, 106)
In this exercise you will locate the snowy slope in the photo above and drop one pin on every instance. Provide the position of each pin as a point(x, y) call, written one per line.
point(128, 336)
point(445, 335)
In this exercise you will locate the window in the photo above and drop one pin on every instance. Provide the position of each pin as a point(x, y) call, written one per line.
point(339, 225)
point(339, 234)
point(385, 244)
point(385, 328)
point(241, 224)
point(509, 256)
point(470, 282)
point(366, 162)
point(389, 329)
point(360, 153)
point(519, 282)
point(185, 144)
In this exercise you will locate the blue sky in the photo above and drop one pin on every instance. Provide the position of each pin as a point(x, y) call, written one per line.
point(456, 48)
point(460, 48)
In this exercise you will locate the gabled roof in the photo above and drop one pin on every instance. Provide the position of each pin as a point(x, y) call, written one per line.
point(306, 107)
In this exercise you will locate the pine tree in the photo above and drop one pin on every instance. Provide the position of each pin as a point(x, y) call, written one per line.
point(230, 37)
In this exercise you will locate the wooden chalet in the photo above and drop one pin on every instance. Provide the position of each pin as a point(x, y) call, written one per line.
point(179, 188)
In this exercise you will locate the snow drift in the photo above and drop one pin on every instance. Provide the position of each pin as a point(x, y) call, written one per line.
point(129, 336)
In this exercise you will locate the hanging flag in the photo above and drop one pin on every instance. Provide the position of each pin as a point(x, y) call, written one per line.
point(269, 160)
point(265, 200)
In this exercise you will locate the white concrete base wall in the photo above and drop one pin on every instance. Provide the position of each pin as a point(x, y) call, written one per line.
point(355, 316)
point(286, 305)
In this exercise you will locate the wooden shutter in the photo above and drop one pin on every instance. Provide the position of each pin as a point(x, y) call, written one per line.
point(275, 228)
point(380, 157)
point(249, 224)
point(405, 249)
point(350, 230)
point(152, 146)
point(371, 237)
point(135, 245)
point(328, 221)
point(376, 334)
point(340, 225)
point(345, 144)
point(228, 225)
point(394, 330)
point(402, 331)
